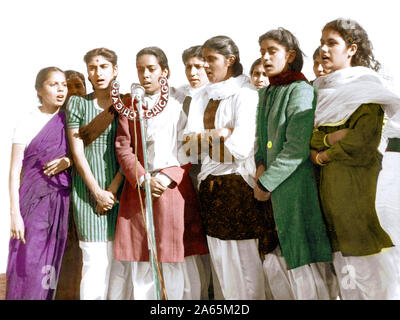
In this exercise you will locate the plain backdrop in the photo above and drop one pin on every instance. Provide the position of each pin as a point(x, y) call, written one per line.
point(42, 33)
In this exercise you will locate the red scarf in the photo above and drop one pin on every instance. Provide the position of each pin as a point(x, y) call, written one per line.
point(286, 77)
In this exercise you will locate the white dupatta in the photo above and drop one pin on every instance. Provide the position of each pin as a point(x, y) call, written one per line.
point(343, 91)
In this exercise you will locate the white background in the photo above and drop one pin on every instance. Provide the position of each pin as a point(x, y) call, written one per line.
point(41, 33)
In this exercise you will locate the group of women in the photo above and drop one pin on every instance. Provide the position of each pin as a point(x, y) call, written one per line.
point(282, 198)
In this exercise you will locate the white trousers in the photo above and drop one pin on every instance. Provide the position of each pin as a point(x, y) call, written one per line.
point(207, 274)
point(315, 281)
point(388, 202)
point(120, 286)
point(371, 277)
point(181, 280)
point(388, 195)
point(238, 267)
point(97, 259)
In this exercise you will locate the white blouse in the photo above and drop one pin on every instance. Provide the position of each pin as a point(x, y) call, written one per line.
point(30, 125)
point(164, 134)
point(237, 109)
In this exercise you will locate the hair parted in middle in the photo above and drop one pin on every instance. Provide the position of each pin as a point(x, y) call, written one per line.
point(107, 54)
point(159, 54)
point(289, 41)
point(225, 46)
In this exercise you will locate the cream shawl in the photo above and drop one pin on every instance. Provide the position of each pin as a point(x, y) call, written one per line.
point(342, 92)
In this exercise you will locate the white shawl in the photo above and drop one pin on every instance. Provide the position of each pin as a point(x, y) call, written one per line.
point(216, 91)
point(237, 109)
point(342, 92)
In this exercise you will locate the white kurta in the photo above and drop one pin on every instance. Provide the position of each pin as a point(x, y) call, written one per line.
point(236, 262)
point(237, 109)
point(164, 138)
point(164, 135)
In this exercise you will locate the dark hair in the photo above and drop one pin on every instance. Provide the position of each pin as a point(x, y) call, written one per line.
point(289, 41)
point(225, 46)
point(353, 33)
point(107, 54)
point(75, 74)
point(42, 76)
point(158, 53)
point(316, 53)
point(255, 64)
point(194, 51)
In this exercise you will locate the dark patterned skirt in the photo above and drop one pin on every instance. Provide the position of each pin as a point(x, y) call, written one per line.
point(229, 211)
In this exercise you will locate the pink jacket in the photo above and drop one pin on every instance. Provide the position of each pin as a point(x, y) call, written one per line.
point(178, 228)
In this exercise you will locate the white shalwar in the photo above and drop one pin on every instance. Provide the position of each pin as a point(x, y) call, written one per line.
point(367, 277)
point(315, 281)
point(120, 286)
point(237, 263)
point(388, 191)
point(97, 258)
point(181, 280)
point(238, 267)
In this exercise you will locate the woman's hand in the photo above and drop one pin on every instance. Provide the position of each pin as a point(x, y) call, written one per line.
point(261, 195)
point(260, 171)
point(157, 187)
point(322, 157)
point(55, 166)
point(17, 228)
point(105, 201)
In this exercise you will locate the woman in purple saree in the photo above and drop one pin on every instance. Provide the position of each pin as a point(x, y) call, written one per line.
point(39, 209)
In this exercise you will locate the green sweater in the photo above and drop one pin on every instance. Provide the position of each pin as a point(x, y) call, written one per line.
point(284, 127)
point(348, 183)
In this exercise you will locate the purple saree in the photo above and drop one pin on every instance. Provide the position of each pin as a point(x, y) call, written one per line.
point(33, 268)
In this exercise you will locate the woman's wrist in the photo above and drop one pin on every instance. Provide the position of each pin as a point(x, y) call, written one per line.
point(15, 213)
point(97, 192)
point(326, 141)
point(261, 186)
point(321, 159)
point(112, 188)
point(70, 161)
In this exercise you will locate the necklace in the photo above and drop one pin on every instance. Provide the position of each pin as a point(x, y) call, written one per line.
point(124, 108)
